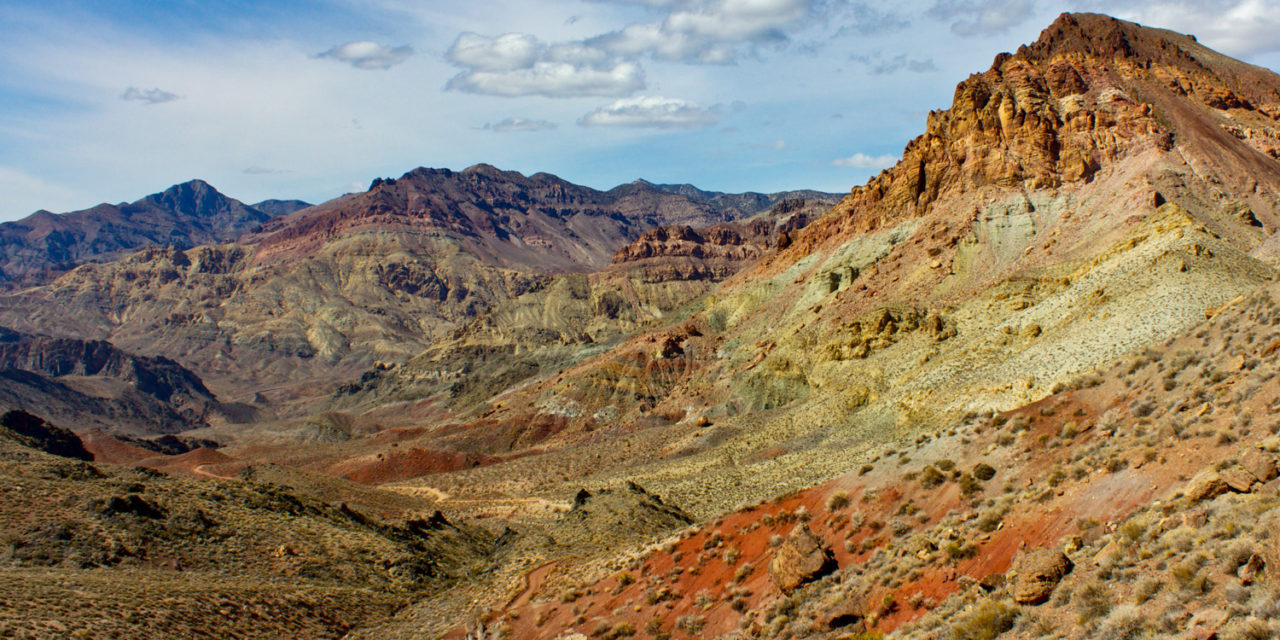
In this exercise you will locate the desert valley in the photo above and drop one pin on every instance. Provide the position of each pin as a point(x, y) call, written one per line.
point(1021, 384)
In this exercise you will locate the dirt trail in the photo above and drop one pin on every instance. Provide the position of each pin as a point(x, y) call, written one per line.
point(533, 581)
point(200, 470)
point(443, 497)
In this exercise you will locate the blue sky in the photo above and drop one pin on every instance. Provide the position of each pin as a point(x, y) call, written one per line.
point(109, 101)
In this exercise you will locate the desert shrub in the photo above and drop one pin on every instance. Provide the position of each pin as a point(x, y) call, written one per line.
point(1147, 589)
point(931, 477)
point(866, 468)
point(731, 556)
point(984, 471)
point(1094, 601)
point(1133, 530)
point(691, 624)
point(945, 464)
point(838, 500)
point(1125, 623)
point(1251, 629)
point(1187, 575)
point(957, 550)
point(990, 520)
point(987, 622)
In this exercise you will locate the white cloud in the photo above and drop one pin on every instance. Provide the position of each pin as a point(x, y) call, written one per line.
point(982, 17)
point(149, 96)
point(553, 80)
point(519, 125)
point(506, 52)
point(713, 31)
point(864, 161)
point(653, 112)
point(517, 64)
point(368, 55)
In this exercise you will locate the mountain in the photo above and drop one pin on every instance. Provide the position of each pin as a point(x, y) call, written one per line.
point(276, 208)
point(43, 245)
point(1082, 199)
point(988, 392)
point(1020, 384)
point(314, 298)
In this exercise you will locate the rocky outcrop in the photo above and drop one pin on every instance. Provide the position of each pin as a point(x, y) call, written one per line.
point(160, 378)
point(86, 384)
point(1039, 573)
point(618, 514)
point(801, 557)
point(33, 431)
point(1090, 91)
point(683, 253)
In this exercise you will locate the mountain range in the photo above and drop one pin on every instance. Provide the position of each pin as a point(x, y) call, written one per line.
point(1022, 383)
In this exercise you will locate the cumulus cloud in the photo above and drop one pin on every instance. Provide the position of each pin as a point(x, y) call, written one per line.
point(864, 161)
point(502, 53)
point(519, 125)
point(149, 96)
point(713, 31)
point(553, 80)
point(363, 54)
point(982, 17)
point(653, 112)
point(518, 64)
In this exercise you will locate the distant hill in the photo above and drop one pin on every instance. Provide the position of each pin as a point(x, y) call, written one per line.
point(314, 297)
point(43, 245)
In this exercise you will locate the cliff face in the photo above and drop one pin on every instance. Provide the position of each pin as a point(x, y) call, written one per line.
point(87, 384)
point(1091, 92)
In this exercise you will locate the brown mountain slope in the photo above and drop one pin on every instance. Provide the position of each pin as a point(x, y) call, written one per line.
point(998, 275)
point(1155, 479)
point(314, 298)
point(564, 319)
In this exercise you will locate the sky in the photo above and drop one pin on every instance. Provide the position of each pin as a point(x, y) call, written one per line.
point(110, 101)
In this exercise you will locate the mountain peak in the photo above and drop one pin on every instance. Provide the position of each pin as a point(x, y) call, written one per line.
point(194, 198)
point(490, 171)
point(1101, 36)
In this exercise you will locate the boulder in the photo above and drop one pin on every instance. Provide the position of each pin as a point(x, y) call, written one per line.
point(802, 557)
point(1207, 485)
point(1262, 464)
point(1238, 479)
point(849, 612)
point(1248, 572)
point(1039, 573)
